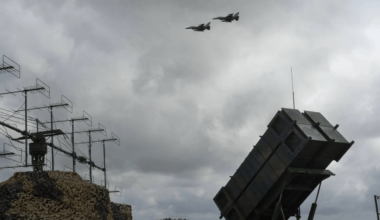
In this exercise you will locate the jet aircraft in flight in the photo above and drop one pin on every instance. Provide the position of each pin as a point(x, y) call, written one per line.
point(229, 17)
point(201, 27)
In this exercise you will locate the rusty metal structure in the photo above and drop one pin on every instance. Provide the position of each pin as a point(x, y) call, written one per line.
point(283, 169)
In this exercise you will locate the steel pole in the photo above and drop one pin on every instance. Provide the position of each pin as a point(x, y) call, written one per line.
point(26, 128)
point(89, 151)
point(51, 141)
point(314, 205)
point(104, 161)
point(42, 168)
point(298, 216)
point(377, 209)
point(72, 143)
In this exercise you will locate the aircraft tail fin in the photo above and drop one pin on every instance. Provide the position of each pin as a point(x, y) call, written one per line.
point(207, 26)
point(236, 16)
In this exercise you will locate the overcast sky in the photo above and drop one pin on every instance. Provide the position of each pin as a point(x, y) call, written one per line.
point(188, 106)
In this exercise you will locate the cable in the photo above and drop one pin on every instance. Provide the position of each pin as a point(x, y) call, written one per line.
point(17, 109)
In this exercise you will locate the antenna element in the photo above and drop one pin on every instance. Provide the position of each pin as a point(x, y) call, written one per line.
point(291, 73)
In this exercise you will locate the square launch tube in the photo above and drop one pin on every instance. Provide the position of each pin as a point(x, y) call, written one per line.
point(290, 158)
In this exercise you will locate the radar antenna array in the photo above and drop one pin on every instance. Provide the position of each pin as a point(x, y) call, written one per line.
point(10, 66)
point(66, 104)
point(40, 87)
point(103, 131)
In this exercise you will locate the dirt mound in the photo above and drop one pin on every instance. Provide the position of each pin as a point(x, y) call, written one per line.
point(57, 195)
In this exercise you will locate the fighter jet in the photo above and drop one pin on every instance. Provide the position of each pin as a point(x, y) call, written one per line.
point(201, 27)
point(229, 17)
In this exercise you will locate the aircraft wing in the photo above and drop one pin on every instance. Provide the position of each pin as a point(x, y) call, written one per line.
point(220, 18)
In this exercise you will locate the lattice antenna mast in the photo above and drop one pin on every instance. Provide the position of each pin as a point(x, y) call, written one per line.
point(101, 129)
point(291, 73)
point(115, 139)
point(377, 207)
point(35, 139)
point(38, 148)
point(8, 153)
point(66, 104)
point(10, 66)
point(40, 87)
point(87, 119)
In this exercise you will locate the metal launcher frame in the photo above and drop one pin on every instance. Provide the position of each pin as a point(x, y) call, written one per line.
point(284, 167)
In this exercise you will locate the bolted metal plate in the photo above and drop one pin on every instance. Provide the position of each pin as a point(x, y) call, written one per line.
point(233, 189)
point(295, 115)
point(285, 154)
point(251, 196)
point(271, 174)
point(334, 134)
point(279, 123)
point(263, 148)
point(240, 177)
point(244, 206)
point(222, 199)
point(233, 214)
point(255, 155)
point(310, 131)
point(248, 170)
point(293, 141)
point(317, 117)
point(271, 138)
point(265, 182)
point(256, 188)
point(277, 165)
point(335, 151)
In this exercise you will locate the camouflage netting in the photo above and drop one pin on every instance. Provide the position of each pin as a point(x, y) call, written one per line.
point(57, 195)
point(121, 211)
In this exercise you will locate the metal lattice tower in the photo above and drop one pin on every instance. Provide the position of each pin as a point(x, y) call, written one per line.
point(66, 104)
point(40, 87)
point(115, 139)
point(85, 118)
point(100, 129)
point(34, 138)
